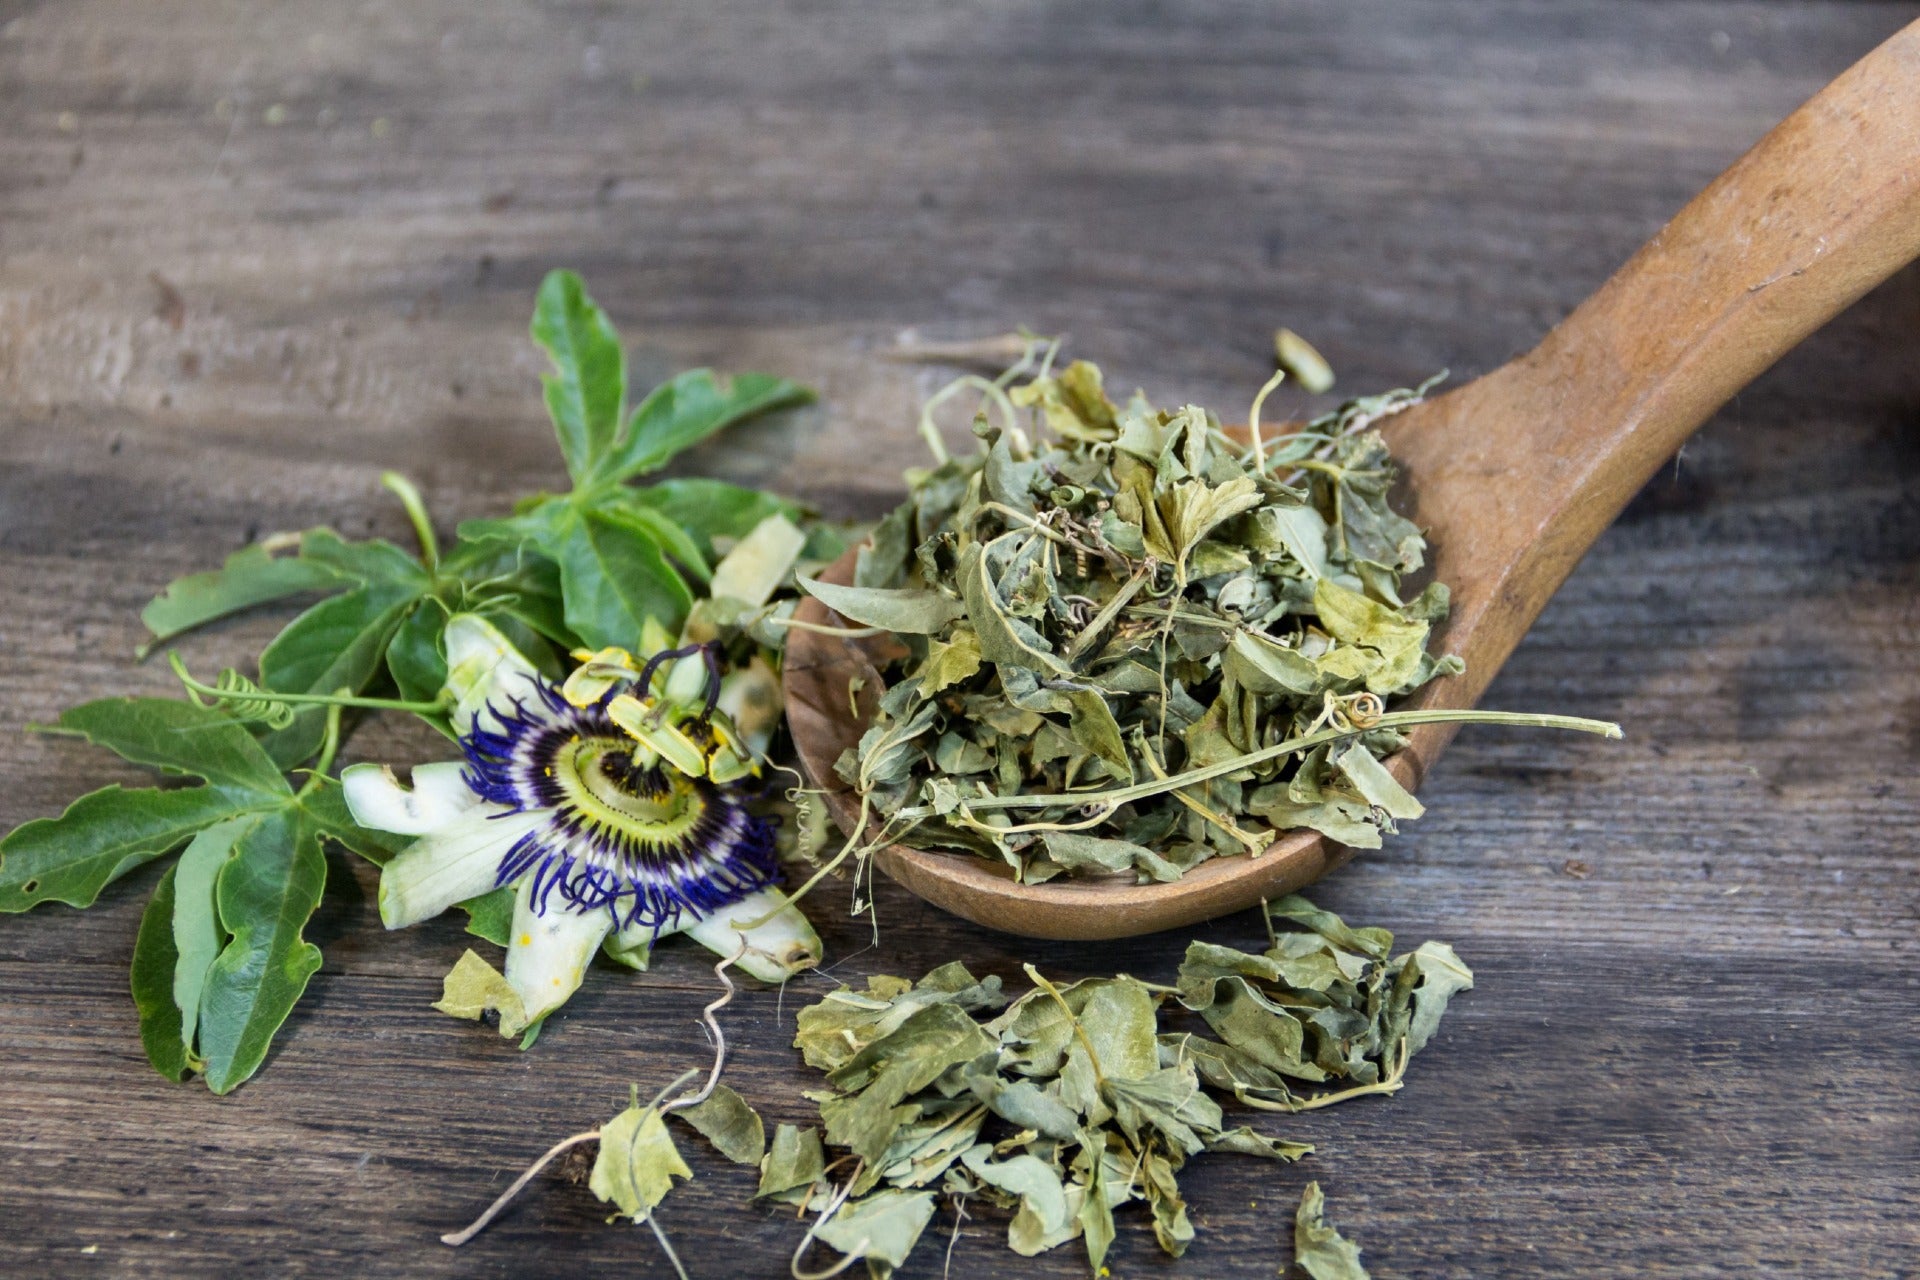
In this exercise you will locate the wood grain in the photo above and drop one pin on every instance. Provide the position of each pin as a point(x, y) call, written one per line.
point(1696, 1061)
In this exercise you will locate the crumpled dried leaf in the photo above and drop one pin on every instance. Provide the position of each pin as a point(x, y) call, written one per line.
point(1112, 596)
point(881, 1228)
point(1045, 1219)
point(1318, 1249)
point(733, 1127)
point(905, 611)
point(637, 1162)
point(1072, 1101)
point(793, 1163)
point(474, 988)
point(1323, 1003)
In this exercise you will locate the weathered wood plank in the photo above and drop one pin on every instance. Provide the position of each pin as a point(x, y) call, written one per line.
point(1694, 1061)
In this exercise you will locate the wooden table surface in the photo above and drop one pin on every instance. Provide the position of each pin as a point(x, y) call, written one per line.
point(250, 255)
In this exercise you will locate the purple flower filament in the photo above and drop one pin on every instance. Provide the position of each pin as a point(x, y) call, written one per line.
point(646, 843)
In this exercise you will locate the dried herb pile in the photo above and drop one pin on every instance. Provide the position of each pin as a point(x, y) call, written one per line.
point(1072, 1102)
point(1104, 598)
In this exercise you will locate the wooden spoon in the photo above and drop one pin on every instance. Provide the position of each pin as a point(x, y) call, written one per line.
point(1515, 474)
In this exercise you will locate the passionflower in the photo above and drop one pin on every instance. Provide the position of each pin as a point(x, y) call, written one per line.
point(611, 836)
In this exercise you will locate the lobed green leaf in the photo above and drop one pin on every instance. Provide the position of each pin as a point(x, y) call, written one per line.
point(152, 980)
point(251, 576)
point(266, 894)
point(587, 391)
point(102, 836)
point(689, 407)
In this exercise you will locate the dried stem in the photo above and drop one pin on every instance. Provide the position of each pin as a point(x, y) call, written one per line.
point(839, 1197)
point(458, 1238)
point(707, 1015)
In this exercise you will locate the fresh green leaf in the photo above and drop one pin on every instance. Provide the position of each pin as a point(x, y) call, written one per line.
point(266, 894)
point(176, 737)
point(615, 580)
point(338, 644)
point(710, 509)
point(688, 408)
point(153, 968)
point(674, 542)
point(587, 389)
point(198, 934)
point(102, 836)
point(414, 654)
point(251, 576)
point(490, 915)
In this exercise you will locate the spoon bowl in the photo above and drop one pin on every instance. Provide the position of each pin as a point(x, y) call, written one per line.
point(1513, 475)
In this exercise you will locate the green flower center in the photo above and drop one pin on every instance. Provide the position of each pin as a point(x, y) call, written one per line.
point(598, 778)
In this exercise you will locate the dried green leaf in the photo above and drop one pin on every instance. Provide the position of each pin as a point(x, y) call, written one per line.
point(950, 661)
point(904, 610)
point(1353, 619)
point(1318, 1249)
point(1378, 787)
point(1003, 638)
point(1442, 975)
point(637, 1162)
point(881, 1228)
point(733, 1127)
point(1044, 1219)
point(474, 988)
point(793, 1163)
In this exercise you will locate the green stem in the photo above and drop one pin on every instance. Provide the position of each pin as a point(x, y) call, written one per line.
point(329, 747)
point(1183, 615)
point(832, 864)
point(437, 707)
point(1253, 421)
point(1178, 781)
point(403, 489)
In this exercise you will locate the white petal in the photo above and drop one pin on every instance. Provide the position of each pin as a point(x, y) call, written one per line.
point(485, 673)
point(776, 950)
point(631, 945)
point(751, 698)
point(457, 862)
point(439, 795)
point(547, 955)
point(758, 562)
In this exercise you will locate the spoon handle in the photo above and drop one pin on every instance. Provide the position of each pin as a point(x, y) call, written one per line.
point(1517, 473)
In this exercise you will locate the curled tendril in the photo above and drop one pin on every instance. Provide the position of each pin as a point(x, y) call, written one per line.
point(246, 701)
point(1363, 710)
